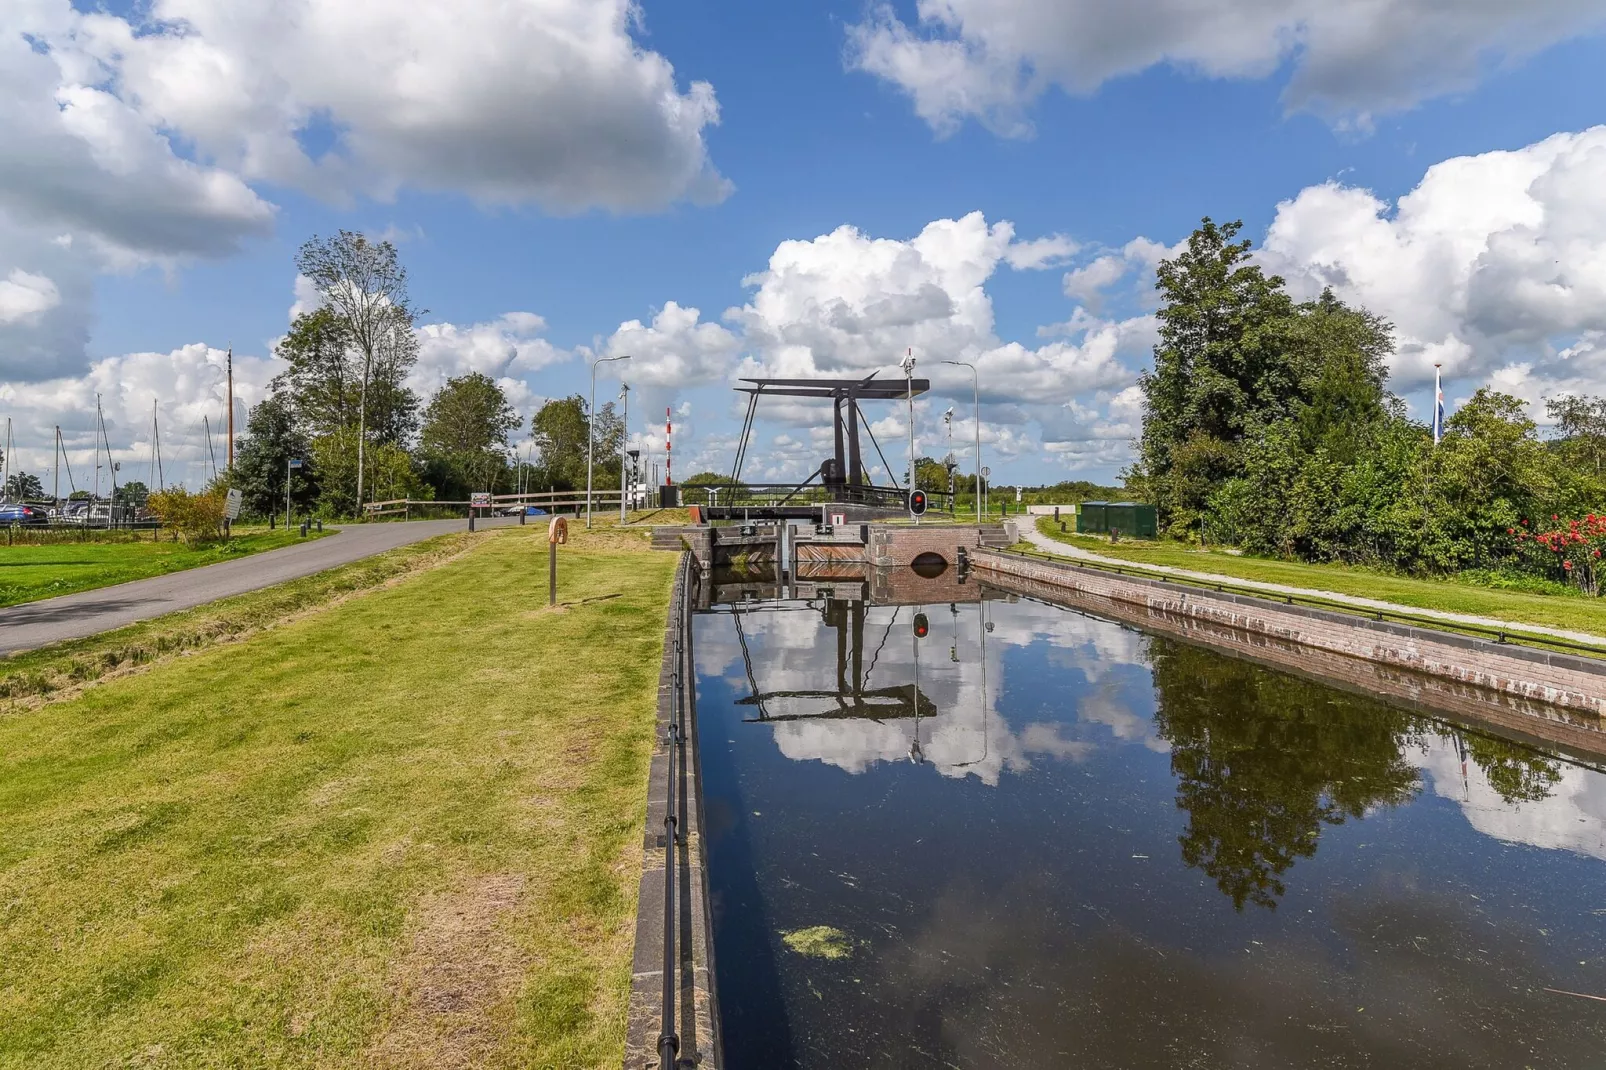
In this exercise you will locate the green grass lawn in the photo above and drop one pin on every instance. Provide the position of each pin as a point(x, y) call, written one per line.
point(1556, 611)
point(402, 831)
point(28, 573)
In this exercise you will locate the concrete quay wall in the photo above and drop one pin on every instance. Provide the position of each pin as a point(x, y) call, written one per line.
point(1549, 697)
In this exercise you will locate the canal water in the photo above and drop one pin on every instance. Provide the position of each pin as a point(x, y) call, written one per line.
point(1032, 837)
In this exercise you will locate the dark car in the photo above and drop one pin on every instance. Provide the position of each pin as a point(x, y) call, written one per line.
point(18, 513)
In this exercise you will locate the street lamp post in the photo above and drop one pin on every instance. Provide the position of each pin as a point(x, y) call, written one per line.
point(624, 448)
point(908, 366)
point(975, 386)
point(591, 428)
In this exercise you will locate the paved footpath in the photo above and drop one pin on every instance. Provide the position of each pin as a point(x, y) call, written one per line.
point(1053, 546)
point(73, 616)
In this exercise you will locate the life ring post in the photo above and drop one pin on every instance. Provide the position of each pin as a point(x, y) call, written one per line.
point(556, 532)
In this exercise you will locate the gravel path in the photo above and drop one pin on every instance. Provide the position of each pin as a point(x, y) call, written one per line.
point(1053, 546)
point(73, 616)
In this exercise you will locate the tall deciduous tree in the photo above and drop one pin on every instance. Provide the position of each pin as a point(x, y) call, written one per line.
point(323, 378)
point(261, 465)
point(23, 486)
point(560, 429)
point(363, 283)
point(466, 429)
point(1581, 427)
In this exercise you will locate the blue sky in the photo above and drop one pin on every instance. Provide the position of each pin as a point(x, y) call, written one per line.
point(813, 133)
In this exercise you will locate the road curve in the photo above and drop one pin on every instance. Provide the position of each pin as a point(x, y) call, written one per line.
point(73, 616)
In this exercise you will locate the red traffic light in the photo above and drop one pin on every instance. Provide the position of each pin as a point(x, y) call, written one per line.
point(917, 502)
point(922, 626)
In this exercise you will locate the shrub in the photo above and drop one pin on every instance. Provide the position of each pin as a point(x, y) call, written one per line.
point(193, 518)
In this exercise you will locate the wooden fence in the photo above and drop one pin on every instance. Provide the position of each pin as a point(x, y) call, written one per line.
point(549, 500)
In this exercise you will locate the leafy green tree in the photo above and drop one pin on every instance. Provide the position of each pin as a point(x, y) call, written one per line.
point(1581, 429)
point(1342, 353)
point(1220, 366)
point(1488, 473)
point(134, 493)
point(560, 429)
point(323, 379)
point(21, 486)
point(465, 434)
point(363, 285)
point(261, 464)
point(931, 474)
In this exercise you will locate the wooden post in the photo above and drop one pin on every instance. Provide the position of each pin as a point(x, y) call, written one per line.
point(557, 531)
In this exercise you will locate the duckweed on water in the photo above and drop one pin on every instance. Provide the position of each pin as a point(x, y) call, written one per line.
point(819, 942)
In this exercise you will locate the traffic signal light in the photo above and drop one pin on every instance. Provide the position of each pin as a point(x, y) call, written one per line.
point(922, 626)
point(917, 502)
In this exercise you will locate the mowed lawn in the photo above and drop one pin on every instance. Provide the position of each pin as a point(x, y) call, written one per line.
point(1556, 611)
point(28, 573)
point(404, 831)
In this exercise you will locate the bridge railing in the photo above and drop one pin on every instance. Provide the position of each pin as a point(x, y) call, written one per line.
point(600, 500)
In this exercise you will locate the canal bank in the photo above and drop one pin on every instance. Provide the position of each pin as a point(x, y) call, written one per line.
point(674, 937)
point(1554, 697)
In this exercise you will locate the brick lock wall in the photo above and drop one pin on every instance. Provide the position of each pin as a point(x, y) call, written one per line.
point(1556, 697)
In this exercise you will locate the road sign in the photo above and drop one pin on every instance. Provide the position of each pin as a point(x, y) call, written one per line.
point(480, 499)
point(295, 462)
point(231, 504)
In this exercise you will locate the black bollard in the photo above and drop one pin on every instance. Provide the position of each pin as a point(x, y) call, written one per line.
point(306, 525)
point(273, 521)
point(471, 520)
point(320, 525)
point(521, 518)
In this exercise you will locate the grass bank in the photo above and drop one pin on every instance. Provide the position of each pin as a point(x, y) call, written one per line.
point(29, 573)
point(404, 831)
point(62, 669)
point(1518, 607)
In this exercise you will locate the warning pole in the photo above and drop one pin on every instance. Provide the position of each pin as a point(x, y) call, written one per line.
point(669, 427)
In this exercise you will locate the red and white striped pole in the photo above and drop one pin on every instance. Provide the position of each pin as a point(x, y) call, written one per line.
point(669, 427)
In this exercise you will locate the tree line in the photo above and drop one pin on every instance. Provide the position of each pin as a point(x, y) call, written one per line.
point(342, 405)
point(1268, 425)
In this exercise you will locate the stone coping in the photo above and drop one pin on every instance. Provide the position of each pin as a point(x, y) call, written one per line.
point(1545, 696)
point(696, 1006)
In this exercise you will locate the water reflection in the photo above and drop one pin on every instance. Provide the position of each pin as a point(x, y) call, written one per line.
point(1263, 761)
point(1116, 849)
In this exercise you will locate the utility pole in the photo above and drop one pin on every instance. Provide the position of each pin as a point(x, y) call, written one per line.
point(624, 449)
point(591, 428)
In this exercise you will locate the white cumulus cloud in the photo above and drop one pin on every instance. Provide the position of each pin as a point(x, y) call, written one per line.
point(990, 59)
point(25, 297)
point(1494, 265)
point(509, 101)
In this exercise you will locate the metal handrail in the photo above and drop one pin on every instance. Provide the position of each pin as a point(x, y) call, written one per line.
point(1503, 636)
point(669, 1034)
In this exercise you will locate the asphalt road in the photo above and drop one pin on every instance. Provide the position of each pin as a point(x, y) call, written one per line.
point(73, 616)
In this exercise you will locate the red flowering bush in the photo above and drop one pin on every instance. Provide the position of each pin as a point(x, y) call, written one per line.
point(1571, 550)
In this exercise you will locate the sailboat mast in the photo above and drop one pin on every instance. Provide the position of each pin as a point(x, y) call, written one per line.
point(156, 447)
point(231, 411)
point(206, 423)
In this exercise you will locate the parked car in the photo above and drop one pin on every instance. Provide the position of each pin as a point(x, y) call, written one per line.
point(20, 513)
